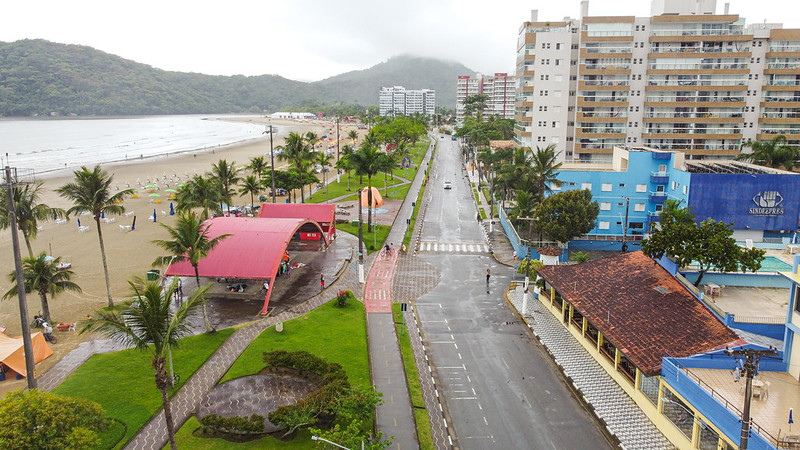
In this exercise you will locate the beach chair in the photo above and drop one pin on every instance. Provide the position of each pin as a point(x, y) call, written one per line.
point(83, 228)
point(124, 228)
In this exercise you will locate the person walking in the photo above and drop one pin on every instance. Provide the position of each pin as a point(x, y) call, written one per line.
point(321, 280)
point(488, 276)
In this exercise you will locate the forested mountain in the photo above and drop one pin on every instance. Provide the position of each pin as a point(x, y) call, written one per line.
point(39, 77)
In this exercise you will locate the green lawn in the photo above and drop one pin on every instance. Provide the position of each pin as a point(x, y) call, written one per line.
point(336, 334)
point(420, 413)
point(372, 241)
point(122, 382)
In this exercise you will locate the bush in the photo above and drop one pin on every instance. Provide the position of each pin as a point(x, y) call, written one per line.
point(535, 265)
point(234, 425)
point(342, 297)
point(580, 257)
point(40, 420)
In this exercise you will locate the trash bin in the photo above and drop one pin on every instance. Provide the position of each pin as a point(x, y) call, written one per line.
point(153, 275)
point(279, 327)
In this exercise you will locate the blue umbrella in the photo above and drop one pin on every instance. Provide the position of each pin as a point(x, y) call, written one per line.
point(79, 223)
point(102, 214)
point(55, 216)
point(791, 421)
point(171, 209)
point(154, 215)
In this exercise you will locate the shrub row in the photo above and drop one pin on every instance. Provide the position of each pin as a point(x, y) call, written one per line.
point(234, 425)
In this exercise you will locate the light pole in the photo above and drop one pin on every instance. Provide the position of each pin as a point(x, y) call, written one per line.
point(360, 242)
point(27, 343)
point(272, 161)
point(526, 293)
point(625, 226)
point(317, 438)
point(752, 358)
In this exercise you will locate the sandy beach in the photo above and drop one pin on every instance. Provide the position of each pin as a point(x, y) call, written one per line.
point(129, 253)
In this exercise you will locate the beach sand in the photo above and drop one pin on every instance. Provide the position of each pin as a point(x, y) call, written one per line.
point(129, 253)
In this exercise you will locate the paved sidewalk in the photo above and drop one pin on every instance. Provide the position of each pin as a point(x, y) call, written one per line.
point(610, 403)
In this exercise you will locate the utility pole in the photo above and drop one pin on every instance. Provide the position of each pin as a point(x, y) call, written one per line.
point(750, 367)
point(526, 294)
point(27, 343)
point(625, 226)
point(360, 242)
point(272, 161)
point(338, 171)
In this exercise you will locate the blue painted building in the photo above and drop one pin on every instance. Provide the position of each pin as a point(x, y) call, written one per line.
point(761, 202)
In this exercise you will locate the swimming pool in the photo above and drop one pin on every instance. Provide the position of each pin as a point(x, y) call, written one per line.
point(769, 264)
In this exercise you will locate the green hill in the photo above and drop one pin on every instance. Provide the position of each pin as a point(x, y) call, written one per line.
point(39, 77)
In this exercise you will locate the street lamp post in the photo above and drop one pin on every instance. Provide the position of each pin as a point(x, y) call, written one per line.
point(317, 438)
point(625, 226)
point(338, 171)
point(360, 242)
point(272, 161)
point(526, 294)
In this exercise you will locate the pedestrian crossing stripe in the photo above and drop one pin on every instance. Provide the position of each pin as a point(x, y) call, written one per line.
point(473, 247)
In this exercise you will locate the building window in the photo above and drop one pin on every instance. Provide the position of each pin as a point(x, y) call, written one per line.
point(555, 186)
point(685, 190)
point(674, 185)
point(678, 413)
point(586, 186)
point(638, 207)
point(606, 187)
point(708, 439)
point(605, 206)
point(636, 225)
point(649, 387)
point(603, 224)
point(556, 124)
point(641, 188)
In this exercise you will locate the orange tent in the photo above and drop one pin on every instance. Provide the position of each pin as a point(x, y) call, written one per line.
point(377, 200)
point(12, 353)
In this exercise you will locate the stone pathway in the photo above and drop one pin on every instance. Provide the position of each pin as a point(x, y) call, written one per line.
point(610, 403)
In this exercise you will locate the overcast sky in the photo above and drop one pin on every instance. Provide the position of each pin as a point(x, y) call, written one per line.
point(313, 39)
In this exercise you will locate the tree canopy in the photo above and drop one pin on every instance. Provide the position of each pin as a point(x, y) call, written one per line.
point(566, 215)
point(709, 245)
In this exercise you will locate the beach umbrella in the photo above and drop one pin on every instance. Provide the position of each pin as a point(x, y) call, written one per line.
point(102, 214)
point(151, 186)
point(791, 421)
point(79, 223)
point(55, 216)
point(171, 209)
point(170, 190)
point(154, 215)
point(133, 225)
point(181, 185)
point(154, 195)
point(377, 200)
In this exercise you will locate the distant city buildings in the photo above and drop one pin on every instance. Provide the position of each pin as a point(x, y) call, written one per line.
point(499, 89)
point(684, 79)
point(399, 101)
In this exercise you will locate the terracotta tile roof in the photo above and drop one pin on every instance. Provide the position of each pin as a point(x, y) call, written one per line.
point(549, 251)
point(502, 144)
point(618, 295)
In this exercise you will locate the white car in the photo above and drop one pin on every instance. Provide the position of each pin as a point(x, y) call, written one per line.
point(448, 185)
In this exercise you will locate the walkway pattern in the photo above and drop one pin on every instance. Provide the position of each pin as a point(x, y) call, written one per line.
point(72, 360)
point(610, 403)
point(378, 292)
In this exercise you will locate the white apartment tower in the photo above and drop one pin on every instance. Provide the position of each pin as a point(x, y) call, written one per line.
point(398, 100)
point(500, 91)
point(683, 79)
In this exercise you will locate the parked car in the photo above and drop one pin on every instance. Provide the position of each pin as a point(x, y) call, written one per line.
point(279, 192)
point(448, 185)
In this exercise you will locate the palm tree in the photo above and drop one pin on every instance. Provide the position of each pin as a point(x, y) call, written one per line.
point(199, 192)
point(368, 160)
point(297, 153)
point(311, 139)
point(28, 211)
point(544, 167)
point(148, 324)
point(775, 153)
point(189, 241)
point(344, 162)
point(42, 275)
point(251, 186)
point(353, 136)
point(90, 192)
point(227, 176)
point(324, 161)
point(258, 165)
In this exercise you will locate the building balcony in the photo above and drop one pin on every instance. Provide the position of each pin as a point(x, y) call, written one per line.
point(653, 216)
point(659, 177)
point(658, 197)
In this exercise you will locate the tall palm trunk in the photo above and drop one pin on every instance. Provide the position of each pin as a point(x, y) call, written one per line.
point(103, 257)
point(302, 184)
point(28, 244)
point(348, 180)
point(162, 381)
point(209, 329)
point(45, 306)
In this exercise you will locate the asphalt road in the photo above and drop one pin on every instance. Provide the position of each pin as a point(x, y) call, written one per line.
point(499, 387)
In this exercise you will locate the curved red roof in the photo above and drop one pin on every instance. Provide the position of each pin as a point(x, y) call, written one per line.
point(252, 251)
point(323, 213)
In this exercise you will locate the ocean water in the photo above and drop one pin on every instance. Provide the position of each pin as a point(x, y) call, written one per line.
point(48, 145)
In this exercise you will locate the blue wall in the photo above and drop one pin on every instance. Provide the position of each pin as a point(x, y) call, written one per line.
point(742, 279)
point(774, 331)
point(735, 198)
point(724, 419)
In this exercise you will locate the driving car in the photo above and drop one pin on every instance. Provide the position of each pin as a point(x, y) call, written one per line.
point(448, 185)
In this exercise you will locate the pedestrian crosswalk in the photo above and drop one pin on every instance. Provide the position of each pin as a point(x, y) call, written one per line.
point(461, 247)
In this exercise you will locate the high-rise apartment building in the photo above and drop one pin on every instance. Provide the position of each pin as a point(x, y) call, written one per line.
point(500, 91)
point(398, 100)
point(684, 79)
